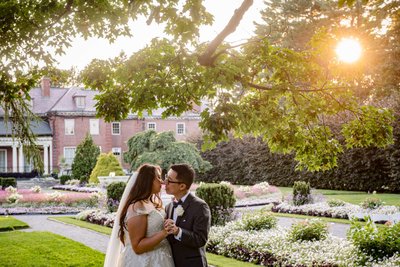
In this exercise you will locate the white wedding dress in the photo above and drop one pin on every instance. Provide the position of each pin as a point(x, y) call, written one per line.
point(161, 256)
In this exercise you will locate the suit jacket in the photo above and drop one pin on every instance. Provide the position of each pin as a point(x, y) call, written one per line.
point(195, 224)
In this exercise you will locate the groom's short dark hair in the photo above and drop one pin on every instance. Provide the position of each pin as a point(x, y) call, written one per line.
point(185, 173)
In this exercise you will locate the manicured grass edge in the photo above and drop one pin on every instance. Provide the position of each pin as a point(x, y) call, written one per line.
point(11, 224)
point(213, 259)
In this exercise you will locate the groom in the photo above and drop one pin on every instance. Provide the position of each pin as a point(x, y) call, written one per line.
point(188, 219)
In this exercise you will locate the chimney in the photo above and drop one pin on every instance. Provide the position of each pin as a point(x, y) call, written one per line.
point(45, 85)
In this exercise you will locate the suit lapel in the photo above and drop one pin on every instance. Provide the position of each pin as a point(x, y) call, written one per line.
point(169, 211)
point(185, 206)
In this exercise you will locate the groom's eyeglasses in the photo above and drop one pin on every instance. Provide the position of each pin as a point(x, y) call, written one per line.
point(168, 180)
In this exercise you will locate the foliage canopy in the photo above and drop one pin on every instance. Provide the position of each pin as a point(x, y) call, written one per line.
point(285, 94)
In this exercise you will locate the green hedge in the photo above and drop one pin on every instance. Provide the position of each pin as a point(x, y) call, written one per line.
point(221, 200)
point(249, 161)
point(6, 182)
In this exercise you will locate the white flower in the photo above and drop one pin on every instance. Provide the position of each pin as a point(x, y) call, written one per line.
point(179, 210)
point(36, 189)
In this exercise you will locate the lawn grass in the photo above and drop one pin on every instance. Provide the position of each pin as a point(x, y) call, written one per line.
point(45, 249)
point(215, 260)
point(91, 226)
point(9, 223)
point(353, 197)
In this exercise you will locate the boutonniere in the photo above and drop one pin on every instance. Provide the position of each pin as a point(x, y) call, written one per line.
point(179, 210)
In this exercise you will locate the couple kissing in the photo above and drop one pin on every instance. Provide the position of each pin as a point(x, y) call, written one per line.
point(145, 234)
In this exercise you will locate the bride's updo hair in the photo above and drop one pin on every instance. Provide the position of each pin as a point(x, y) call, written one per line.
point(141, 190)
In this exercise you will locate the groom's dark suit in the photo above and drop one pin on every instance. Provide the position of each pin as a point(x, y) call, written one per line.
point(195, 224)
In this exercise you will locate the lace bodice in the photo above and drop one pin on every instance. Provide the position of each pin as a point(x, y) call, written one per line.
point(160, 256)
point(155, 221)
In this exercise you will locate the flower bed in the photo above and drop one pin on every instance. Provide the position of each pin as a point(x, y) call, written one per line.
point(41, 210)
point(322, 209)
point(76, 188)
point(271, 247)
point(33, 201)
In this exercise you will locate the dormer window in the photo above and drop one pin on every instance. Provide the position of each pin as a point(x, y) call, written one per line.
point(80, 101)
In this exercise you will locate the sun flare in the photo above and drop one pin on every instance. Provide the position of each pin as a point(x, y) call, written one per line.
point(348, 50)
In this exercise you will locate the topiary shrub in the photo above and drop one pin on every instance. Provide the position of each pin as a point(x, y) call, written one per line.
point(301, 193)
point(372, 203)
point(64, 178)
point(6, 182)
point(336, 203)
point(85, 159)
point(374, 242)
point(258, 221)
point(114, 194)
point(221, 200)
point(106, 163)
point(308, 230)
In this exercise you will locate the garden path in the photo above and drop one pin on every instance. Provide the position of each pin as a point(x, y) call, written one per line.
point(87, 237)
point(336, 229)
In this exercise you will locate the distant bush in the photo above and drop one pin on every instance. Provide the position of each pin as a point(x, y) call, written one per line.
point(372, 203)
point(335, 203)
point(258, 221)
point(301, 193)
point(6, 182)
point(308, 230)
point(114, 194)
point(64, 178)
point(221, 200)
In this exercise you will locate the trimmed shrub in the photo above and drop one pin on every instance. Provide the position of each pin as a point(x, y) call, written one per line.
point(115, 190)
point(374, 242)
point(258, 221)
point(221, 200)
point(64, 178)
point(308, 230)
point(301, 193)
point(372, 203)
point(6, 182)
point(335, 203)
point(106, 163)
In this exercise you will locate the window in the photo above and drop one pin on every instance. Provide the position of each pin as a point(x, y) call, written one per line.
point(180, 128)
point(80, 101)
point(69, 155)
point(116, 128)
point(151, 126)
point(3, 160)
point(69, 126)
point(117, 152)
point(94, 126)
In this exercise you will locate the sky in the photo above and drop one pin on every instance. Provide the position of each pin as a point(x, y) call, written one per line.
point(83, 51)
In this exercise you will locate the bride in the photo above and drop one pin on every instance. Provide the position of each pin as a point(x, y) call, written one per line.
point(138, 237)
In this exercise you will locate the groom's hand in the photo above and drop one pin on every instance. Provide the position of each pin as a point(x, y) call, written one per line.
point(170, 227)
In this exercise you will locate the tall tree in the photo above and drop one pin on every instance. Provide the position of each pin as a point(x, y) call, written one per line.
point(163, 149)
point(85, 159)
point(257, 88)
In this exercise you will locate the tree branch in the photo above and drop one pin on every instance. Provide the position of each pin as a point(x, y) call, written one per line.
point(207, 59)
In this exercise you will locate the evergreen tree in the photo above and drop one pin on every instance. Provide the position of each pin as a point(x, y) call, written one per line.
point(163, 149)
point(105, 164)
point(85, 159)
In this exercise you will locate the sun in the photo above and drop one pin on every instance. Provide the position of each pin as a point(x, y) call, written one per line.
point(348, 50)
